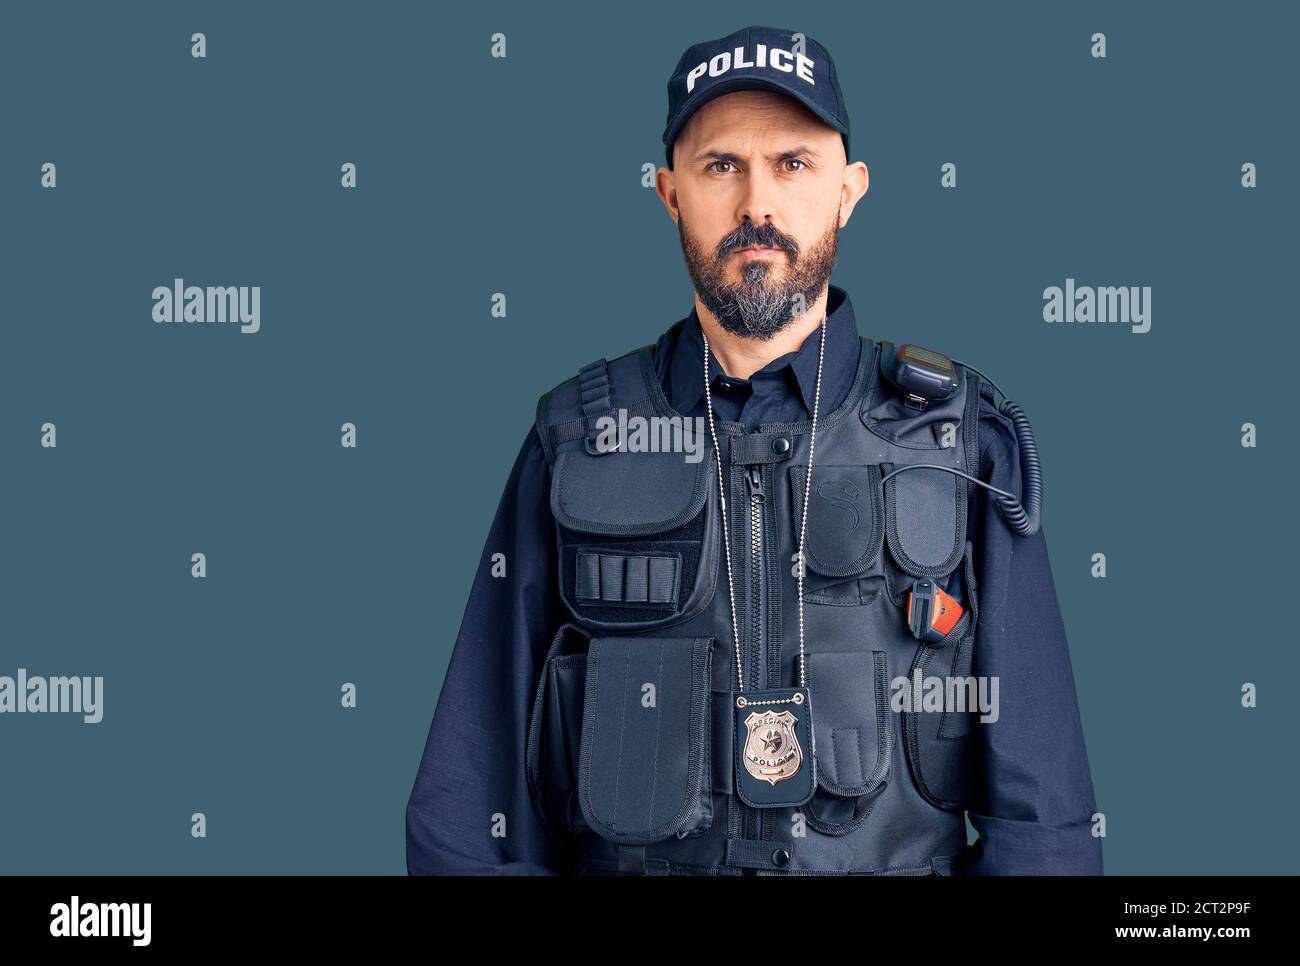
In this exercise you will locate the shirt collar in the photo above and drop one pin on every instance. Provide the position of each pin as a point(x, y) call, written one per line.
point(839, 367)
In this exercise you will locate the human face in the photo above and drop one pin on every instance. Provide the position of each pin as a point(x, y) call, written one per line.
point(763, 184)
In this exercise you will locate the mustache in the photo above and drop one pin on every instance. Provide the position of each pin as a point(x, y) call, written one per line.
point(749, 235)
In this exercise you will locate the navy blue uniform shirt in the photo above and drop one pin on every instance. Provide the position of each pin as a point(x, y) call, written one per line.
point(1034, 808)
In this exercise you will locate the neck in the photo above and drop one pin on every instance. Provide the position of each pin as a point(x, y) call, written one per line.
point(741, 356)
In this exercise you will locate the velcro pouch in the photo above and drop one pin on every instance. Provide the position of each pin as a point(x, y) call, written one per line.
point(845, 531)
point(854, 737)
point(644, 769)
point(638, 536)
point(925, 520)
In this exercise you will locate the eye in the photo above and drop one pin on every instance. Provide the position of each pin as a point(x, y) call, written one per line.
point(714, 165)
point(797, 161)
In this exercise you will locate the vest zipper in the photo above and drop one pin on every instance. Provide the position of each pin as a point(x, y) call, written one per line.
point(756, 586)
point(757, 498)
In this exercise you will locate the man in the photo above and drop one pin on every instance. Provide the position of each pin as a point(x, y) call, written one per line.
point(662, 685)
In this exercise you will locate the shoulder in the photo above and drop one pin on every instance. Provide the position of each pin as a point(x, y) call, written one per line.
point(995, 429)
point(999, 449)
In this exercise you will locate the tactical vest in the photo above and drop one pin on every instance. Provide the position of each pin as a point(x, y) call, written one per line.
point(631, 746)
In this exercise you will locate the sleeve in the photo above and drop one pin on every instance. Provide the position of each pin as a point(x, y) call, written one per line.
point(1035, 803)
point(470, 812)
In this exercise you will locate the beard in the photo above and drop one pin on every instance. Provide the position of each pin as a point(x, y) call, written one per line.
point(758, 307)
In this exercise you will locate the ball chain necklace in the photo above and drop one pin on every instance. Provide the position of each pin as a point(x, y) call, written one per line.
point(769, 750)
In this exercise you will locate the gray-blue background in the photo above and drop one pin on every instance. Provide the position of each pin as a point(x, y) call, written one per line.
point(522, 176)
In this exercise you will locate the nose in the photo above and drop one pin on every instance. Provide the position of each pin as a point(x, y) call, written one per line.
point(757, 202)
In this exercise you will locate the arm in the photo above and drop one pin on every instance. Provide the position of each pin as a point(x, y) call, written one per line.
point(473, 764)
point(1034, 811)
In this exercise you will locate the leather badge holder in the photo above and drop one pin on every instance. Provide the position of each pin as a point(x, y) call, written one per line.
point(774, 747)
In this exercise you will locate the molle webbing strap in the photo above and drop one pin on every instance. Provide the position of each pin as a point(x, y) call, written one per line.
point(758, 448)
point(758, 854)
point(593, 388)
point(578, 428)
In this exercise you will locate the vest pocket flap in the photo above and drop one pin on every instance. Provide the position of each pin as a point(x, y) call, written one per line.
point(627, 493)
point(846, 520)
point(853, 726)
point(644, 755)
point(925, 520)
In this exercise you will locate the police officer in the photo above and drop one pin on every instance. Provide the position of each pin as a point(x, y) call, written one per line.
point(777, 602)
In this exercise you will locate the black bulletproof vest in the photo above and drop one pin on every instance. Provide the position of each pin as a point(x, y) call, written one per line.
point(631, 752)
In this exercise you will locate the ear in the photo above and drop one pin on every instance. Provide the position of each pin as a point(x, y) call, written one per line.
point(666, 189)
point(856, 180)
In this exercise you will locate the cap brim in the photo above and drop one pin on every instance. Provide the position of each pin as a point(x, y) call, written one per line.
point(743, 83)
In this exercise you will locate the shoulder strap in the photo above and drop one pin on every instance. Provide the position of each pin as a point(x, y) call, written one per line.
point(601, 388)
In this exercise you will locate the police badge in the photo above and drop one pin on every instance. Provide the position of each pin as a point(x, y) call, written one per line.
point(772, 730)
